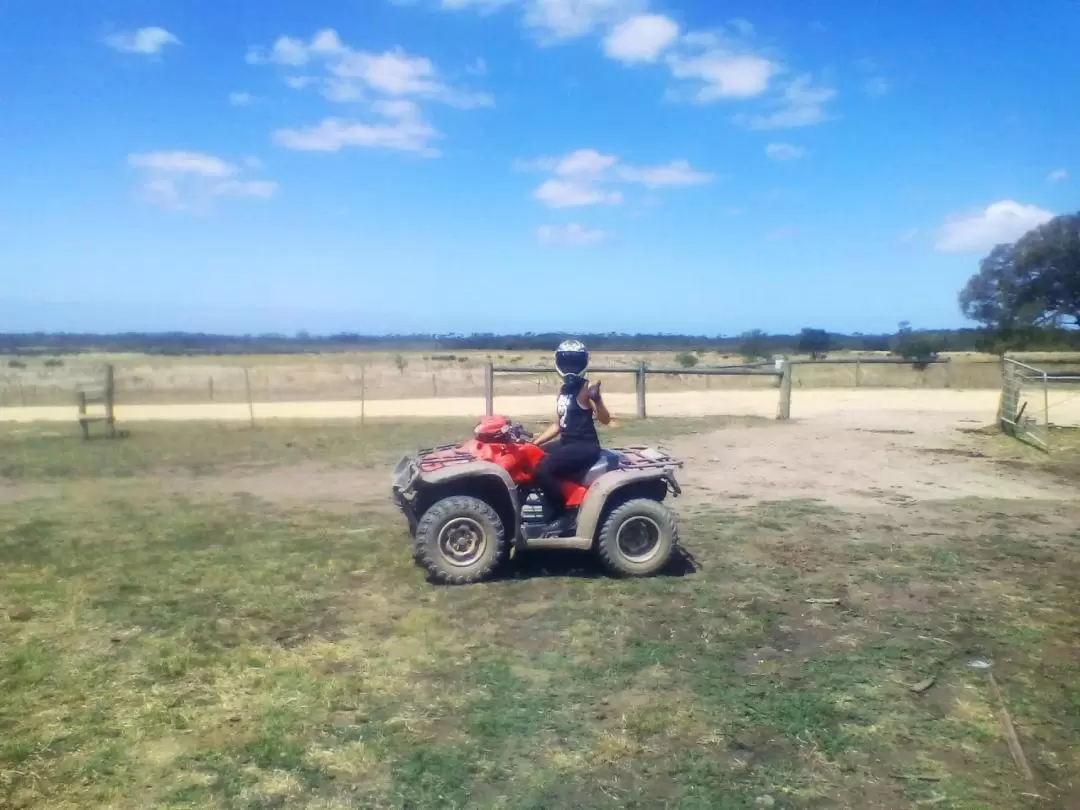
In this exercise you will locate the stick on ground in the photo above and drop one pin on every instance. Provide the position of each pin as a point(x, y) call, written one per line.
point(1010, 731)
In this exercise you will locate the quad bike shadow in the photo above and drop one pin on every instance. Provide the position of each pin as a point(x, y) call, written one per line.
point(470, 505)
point(575, 565)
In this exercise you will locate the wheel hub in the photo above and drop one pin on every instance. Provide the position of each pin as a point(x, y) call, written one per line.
point(639, 538)
point(462, 541)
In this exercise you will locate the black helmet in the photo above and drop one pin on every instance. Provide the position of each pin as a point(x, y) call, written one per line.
point(572, 358)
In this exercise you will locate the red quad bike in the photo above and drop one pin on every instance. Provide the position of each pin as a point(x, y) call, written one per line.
point(466, 505)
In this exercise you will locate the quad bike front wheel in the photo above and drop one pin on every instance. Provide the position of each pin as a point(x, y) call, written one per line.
point(638, 538)
point(459, 540)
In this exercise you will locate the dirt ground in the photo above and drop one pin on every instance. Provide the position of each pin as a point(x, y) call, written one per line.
point(868, 465)
point(851, 404)
point(862, 462)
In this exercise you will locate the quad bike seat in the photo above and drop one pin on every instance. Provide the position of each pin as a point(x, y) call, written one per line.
point(609, 460)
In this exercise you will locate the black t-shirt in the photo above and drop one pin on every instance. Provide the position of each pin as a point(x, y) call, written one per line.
point(575, 423)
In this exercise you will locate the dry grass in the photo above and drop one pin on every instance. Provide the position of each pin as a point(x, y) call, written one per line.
point(183, 380)
point(171, 650)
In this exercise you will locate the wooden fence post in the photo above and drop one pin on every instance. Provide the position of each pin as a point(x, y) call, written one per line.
point(1046, 405)
point(110, 399)
point(858, 372)
point(489, 389)
point(784, 411)
point(83, 424)
point(251, 405)
point(641, 410)
point(210, 382)
point(363, 394)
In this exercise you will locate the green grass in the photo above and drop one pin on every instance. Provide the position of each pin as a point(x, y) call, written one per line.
point(49, 453)
point(234, 653)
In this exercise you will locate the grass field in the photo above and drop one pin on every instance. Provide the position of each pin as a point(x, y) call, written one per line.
point(172, 641)
point(36, 381)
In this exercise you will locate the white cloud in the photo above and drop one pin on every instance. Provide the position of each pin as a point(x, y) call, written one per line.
point(587, 177)
point(147, 41)
point(246, 188)
point(1057, 176)
point(803, 106)
point(640, 39)
point(341, 91)
point(389, 84)
point(190, 181)
point(784, 151)
point(1001, 222)
point(724, 73)
point(182, 163)
point(351, 72)
point(553, 20)
point(296, 52)
point(584, 162)
point(674, 174)
point(571, 193)
point(567, 19)
point(241, 99)
point(573, 234)
point(876, 87)
point(479, 5)
point(403, 129)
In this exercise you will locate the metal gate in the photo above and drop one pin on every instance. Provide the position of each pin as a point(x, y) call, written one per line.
point(1025, 403)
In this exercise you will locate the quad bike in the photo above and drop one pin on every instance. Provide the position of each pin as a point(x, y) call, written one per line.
point(467, 505)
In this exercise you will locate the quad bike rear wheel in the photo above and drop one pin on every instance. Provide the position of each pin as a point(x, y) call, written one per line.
point(459, 540)
point(638, 538)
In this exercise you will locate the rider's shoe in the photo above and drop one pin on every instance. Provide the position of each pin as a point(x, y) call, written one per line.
point(560, 527)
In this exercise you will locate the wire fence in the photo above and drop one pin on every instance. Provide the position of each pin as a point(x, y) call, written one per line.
point(38, 382)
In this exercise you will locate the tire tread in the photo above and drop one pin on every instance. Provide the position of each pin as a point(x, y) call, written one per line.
point(607, 548)
point(424, 543)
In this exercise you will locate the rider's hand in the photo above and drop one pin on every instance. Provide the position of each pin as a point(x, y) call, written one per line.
point(594, 392)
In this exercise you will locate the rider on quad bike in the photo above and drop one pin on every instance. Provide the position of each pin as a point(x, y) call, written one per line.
point(578, 446)
point(470, 504)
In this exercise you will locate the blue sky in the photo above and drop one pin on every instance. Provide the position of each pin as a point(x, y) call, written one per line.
point(475, 165)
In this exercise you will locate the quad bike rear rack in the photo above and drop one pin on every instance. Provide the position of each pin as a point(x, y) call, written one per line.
point(643, 457)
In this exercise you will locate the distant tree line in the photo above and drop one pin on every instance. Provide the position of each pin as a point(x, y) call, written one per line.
point(755, 344)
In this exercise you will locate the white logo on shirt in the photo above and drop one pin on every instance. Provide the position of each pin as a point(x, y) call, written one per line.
point(562, 408)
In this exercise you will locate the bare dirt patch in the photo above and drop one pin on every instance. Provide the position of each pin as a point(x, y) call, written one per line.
point(303, 483)
point(852, 464)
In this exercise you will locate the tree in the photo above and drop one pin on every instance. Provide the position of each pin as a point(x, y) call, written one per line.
point(814, 342)
point(686, 359)
point(919, 347)
point(1034, 282)
point(753, 345)
point(401, 362)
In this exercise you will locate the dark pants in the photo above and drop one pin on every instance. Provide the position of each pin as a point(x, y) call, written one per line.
point(562, 461)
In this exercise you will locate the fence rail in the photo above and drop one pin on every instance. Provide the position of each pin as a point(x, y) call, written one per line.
point(781, 371)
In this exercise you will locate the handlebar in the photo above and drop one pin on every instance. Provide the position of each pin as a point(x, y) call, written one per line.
point(520, 433)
